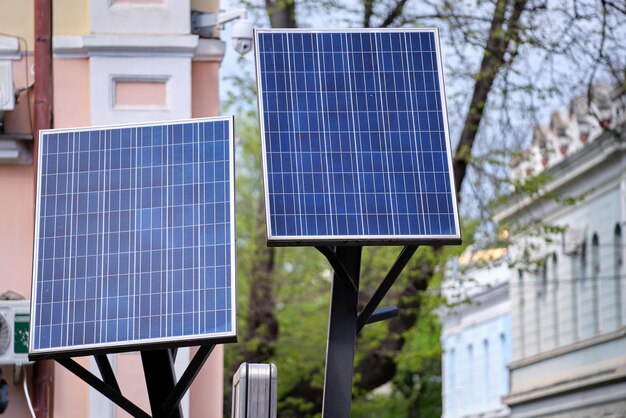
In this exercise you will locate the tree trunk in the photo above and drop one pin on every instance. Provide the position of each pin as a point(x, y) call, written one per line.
point(282, 13)
point(262, 327)
point(379, 366)
point(499, 41)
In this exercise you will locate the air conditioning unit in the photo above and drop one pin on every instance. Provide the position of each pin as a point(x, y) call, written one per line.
point(14, 329)
point(7, 95)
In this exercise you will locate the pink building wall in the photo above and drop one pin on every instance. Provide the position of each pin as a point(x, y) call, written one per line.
point(71, 93)
point(207, 392)
point(73, 100)
point(17, 192)
point(70, 109)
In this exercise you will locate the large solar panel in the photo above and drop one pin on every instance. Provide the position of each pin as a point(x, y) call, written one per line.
point(134, 239)
point(355, 138)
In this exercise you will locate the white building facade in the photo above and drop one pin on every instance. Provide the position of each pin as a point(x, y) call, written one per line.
point(569, 309)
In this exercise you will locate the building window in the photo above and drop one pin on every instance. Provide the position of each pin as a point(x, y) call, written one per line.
point(486, 377)
point(579, 267)
point(554, 276)
point(618, 268)
point(521, 317)
point(505, 364)
point(470, 385)
point(138, 94)
point(540, 306)
point(583, 259)
point(595, 274)
point(452, 392)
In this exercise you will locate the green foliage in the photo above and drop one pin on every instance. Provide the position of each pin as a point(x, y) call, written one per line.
point(302, 277)
point(380, 406)
point(302, 290)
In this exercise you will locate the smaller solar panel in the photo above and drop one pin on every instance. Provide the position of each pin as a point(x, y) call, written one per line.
point(355, 137)
point(134, 237)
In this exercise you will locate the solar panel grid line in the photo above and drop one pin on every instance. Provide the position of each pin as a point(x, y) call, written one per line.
point(384, 147)
point(295, 154)
point(427, 225)
point(355, 121)
point(104, 225)
point(333, 103)
point(344, 63)
point(332, 58)
point(405, 81)
point(429, 124)
point(108, 288)
point(328, 210)
point(354, 164)
point(196, 284)
point(393, 189)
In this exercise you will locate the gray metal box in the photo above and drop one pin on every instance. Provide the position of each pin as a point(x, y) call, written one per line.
point(254, 391)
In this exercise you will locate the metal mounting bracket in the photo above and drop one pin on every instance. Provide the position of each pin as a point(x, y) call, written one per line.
point(164, 392)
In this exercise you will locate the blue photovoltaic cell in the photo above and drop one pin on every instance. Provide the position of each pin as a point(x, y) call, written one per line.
point(134, 237)
point(355, 136)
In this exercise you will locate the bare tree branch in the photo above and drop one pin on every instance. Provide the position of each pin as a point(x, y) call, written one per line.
point(498, 43)
point(393, 14)
point(368, 12)
point(282, 13)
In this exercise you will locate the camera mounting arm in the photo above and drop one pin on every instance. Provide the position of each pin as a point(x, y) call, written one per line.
point(203, 25)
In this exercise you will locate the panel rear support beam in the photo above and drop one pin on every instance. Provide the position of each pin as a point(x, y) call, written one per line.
point(342, 331)
point(158, 369)
point(345, 322)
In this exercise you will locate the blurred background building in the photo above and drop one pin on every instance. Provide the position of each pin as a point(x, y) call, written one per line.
point(568, 304)
point(476, 335)
point(543, 332)
point(114, 61)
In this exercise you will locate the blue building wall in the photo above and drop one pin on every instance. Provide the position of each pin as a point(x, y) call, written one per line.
point(475, 373)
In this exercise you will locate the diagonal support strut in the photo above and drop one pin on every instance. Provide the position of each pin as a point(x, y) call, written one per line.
point(106, 371)
point(102, 387)
point(109, 387)
point(338, 266)
point(398, 265)
point(192, 370)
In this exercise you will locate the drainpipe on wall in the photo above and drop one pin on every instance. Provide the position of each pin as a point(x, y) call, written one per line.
point(44, 370)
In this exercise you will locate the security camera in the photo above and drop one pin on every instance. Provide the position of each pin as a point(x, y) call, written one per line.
point(242, 35)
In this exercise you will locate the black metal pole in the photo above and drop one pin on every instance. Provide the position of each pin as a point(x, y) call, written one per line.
point(158, 368)
point(342, 331)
